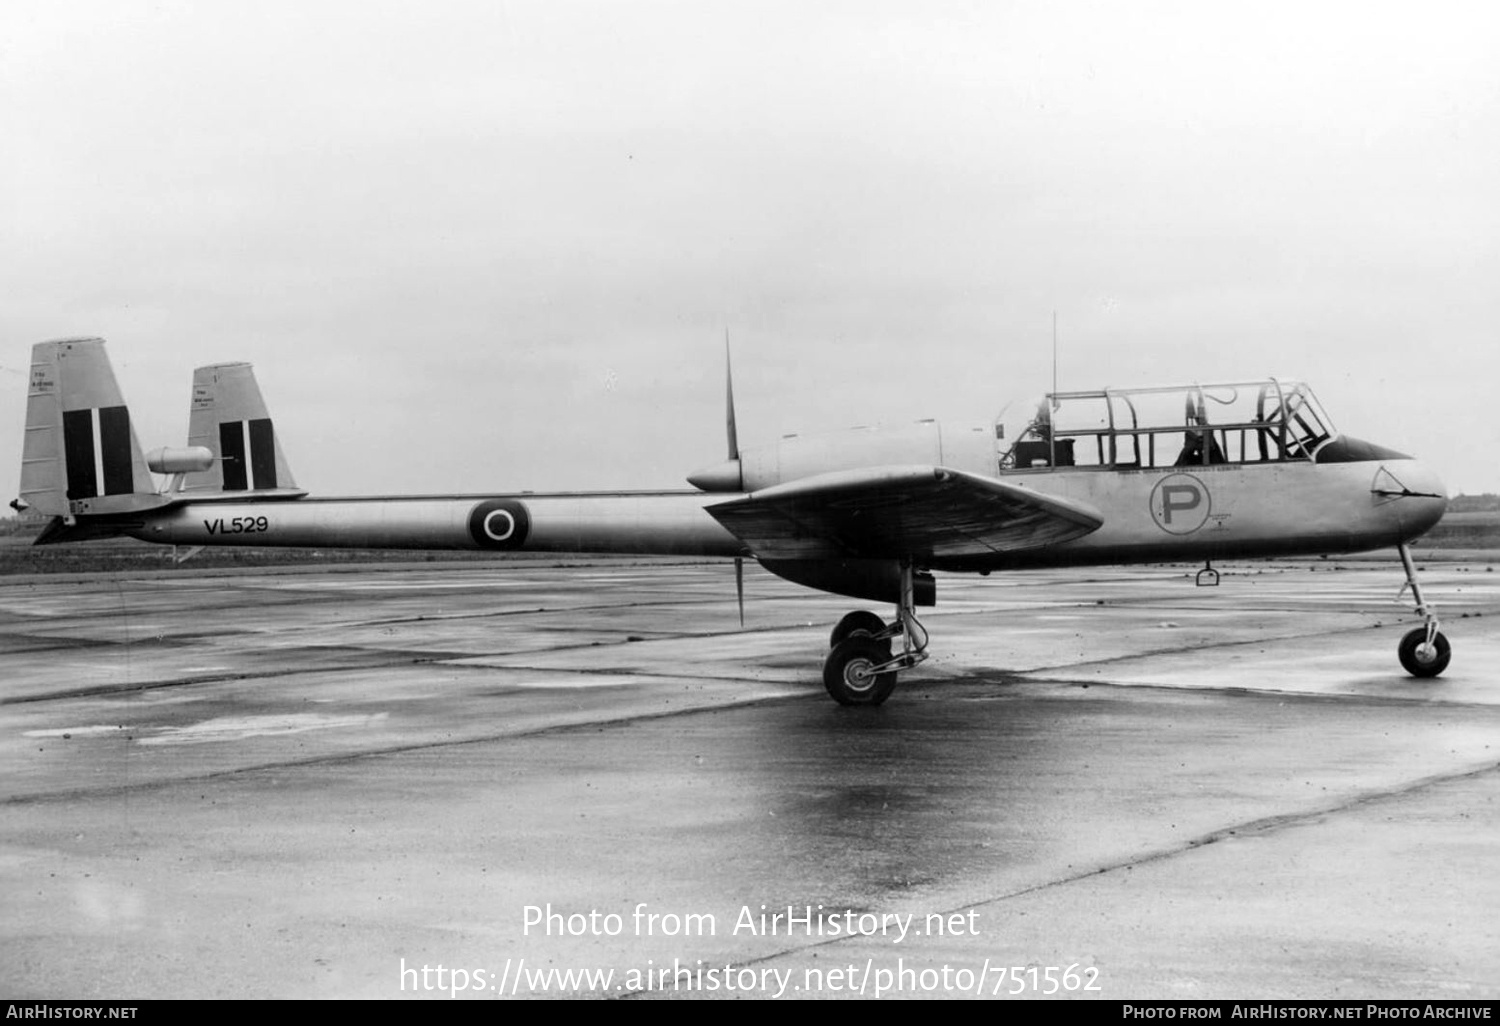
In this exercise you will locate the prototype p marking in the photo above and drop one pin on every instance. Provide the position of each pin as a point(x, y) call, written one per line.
point(499, 524)
point(1180, 504)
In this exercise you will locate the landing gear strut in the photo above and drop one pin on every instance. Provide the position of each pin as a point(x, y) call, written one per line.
point(1424, 652)
point(860, 669)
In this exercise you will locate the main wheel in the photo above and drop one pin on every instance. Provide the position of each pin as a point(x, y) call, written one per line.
point(848, 676)
point(860, 623)
point(1420, 659)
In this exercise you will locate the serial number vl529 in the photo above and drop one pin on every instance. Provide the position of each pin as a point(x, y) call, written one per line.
point(237, 525)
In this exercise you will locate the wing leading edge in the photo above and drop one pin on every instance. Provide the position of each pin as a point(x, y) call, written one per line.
point(921, 512)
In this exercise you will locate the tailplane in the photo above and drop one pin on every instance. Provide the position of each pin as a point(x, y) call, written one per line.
point(82, 465)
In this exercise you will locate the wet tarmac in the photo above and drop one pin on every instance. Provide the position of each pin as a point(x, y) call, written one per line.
point(1105, 783)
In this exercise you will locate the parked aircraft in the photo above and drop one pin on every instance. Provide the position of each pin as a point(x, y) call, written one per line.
point(1117, 475)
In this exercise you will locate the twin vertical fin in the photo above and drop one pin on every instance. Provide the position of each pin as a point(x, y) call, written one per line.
point(229, 418)
point(80, 456)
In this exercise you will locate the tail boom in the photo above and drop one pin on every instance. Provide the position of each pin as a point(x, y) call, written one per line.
point(646, 523)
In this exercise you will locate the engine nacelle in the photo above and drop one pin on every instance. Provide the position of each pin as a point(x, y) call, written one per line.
point(926, 443)
point(185, 459)
point(878, 580)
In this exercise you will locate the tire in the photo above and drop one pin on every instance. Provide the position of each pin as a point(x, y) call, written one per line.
point(860, 623)
point(846, 672)
point(1417, 666)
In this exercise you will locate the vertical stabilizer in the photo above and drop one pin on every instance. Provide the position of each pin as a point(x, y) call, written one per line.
point(80, 456)
point(229, 418)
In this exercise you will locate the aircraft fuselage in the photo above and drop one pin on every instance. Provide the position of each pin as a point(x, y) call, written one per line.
point(1154, 514)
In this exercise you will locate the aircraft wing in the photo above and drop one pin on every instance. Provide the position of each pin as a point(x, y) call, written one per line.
point(895, 512)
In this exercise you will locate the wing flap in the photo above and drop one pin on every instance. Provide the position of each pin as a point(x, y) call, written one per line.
point(922, 512)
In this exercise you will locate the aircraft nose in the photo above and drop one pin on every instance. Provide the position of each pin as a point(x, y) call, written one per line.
point(1421, 497)
point(1427, 481)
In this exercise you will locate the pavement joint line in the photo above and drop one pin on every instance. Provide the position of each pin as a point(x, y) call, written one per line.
point(610, 671)
point(1020, 679)
point(220, 678)
point(456, 660)
point(1254, 827)
point(425, 658)
point(1260, 826)
point(1182, 649)
point(422, 746)
point(997, 608)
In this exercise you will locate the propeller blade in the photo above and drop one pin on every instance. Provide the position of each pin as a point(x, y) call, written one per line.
point(739, 586)
point(734, 441)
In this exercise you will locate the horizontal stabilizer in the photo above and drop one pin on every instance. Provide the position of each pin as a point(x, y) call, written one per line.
point(918, 512)
point(88, 528)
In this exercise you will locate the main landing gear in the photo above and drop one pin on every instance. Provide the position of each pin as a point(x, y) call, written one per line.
point(860, 669)
point(1424, 651)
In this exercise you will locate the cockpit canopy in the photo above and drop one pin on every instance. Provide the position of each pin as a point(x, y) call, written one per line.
point(1183, 425)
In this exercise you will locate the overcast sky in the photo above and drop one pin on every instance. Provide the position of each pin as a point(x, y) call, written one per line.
point(481, 246)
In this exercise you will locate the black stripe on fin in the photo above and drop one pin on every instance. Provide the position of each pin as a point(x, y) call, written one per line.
point(232, 448)
point(263, 453)
point(114, 440)
point(78, 453)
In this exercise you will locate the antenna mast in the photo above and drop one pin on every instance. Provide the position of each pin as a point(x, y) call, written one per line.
point(1052, 400)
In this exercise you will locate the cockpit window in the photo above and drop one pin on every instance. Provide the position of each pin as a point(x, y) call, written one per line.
point(1300, 425)
point(1240, 422)
point(1043, 433)
point(1023, 433)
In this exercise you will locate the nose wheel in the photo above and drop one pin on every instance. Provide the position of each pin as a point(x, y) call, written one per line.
point(1424, 657)
point(860, 668)
point(1424, 652)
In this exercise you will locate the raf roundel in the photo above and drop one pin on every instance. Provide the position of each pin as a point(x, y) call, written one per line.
point(499, 524)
